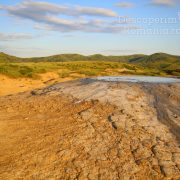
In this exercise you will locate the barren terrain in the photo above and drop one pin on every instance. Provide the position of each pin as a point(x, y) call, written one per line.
point(15, 85)
point(89, 129)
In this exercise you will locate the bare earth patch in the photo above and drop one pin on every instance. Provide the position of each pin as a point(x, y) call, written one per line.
point(91, 130)
point(16, 85)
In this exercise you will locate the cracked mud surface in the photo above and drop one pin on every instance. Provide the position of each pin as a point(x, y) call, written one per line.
point(91, 130)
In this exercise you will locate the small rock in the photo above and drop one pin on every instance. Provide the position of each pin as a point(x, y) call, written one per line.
point(36, 92)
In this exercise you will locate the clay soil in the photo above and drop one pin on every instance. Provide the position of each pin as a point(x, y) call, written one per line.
point(91, 130)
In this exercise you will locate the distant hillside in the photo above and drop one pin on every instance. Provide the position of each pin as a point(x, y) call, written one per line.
point(7, 58)
point(78, 57)
point(160, 61)
point(69, 57)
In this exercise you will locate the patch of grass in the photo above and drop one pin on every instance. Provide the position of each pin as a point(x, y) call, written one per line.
point(65, 69)
point(16, 71)
point(129, 67)
point(28, 70)
point(90, 72)
point(64, 73)
point(166, 63)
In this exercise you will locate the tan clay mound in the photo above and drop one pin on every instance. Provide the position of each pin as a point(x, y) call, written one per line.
point(91, 130)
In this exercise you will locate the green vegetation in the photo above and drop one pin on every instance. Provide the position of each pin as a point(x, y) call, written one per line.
point(169, 64)
point(4, 58)
point(66, 65)
point(64, 73)
point(69, 57)
point(66, 69)
point(15, 71)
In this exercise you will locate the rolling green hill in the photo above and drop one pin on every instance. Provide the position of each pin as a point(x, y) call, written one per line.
point(166, 63)
point(4, 58)
point(69, 57)
point(78, 57)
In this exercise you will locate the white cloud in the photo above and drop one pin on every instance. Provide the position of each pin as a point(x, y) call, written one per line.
point(125, 5)
point(41, 8)
point(48, 16)
point(94, 11)
point(84, 26)
point(163, 2)
point(15, 36)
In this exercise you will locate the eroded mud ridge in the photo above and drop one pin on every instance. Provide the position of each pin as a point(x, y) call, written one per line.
point(91, 130)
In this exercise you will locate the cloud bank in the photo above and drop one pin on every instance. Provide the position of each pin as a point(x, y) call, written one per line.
point(125, 5)
point(163, 2)
point(15, 36)
point(66, 18)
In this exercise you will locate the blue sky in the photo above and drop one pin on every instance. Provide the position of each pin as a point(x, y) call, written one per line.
point(46, 27)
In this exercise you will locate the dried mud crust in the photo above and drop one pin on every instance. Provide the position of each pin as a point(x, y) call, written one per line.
point(167, 104)
point(47, 134)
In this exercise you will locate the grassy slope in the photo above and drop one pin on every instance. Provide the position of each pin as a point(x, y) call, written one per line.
point(5, 58)
point(69, 57)
point(156, 64)
point(66, 69)
point(164, 62)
